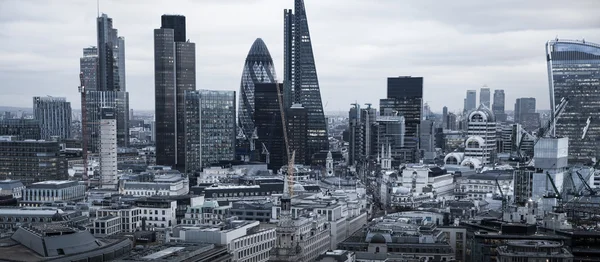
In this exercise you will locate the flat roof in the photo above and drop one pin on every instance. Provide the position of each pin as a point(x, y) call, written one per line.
point(163, 253)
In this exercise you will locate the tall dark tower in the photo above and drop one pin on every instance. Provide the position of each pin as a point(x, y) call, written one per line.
point(267, 118)
point(174, 73)
point(301, 84)
point(405, 96)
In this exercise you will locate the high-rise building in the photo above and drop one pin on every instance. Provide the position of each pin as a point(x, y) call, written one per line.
point(88, 65)
point(54, 116)
point(451, 122)
point(484, 96)
point(363, 134)
point(301, 84)
point(470, 101)
point(95, 101)
point(31, 161)
point(390, 136)
point(481, 144)
point(445, 117)
point(174, 73)
point(111, 56)
point(426, 136)
point(405, 96)
point(269, 126)
point(258, 68)
point(574, 74)
point(108, 148)
point(210, 128)
point(297, 119)
point(498, 105)
point(21, 129)
point(525, 114)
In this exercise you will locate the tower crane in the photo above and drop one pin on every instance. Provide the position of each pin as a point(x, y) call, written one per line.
point(84, 138)
point(290, 165)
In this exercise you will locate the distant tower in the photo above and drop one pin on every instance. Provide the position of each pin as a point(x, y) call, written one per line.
point(329, 164)
point(108, 149)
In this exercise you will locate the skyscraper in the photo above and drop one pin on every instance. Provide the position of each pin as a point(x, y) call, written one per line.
point(174, 73)
point(88, 65)
point(269, 126)
point(470, 101)
point(498, 105)
point(574, 74)
point(525, 113)
point(484, 96)
point(445, 117)
point(210, 128)
point(258, 68)
point(54, 116)
point(296, 120)
point(95, 101)
point(111, 56)
point(363, 134)
point(301, 84)
point(406, 95)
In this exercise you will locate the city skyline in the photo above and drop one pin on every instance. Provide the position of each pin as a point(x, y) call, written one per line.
point(51, 61)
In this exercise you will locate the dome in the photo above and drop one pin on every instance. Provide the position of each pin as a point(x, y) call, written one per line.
point(454, 158)
point(474, 142)
point(378, 239)
point(476, 163)
point(298, 188)
point(482, 114)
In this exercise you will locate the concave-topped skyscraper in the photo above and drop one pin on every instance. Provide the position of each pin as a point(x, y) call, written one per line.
point(258, 68)
point(301, 84)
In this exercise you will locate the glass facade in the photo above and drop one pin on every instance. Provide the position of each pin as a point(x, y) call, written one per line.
point(498, 105)
point(32, 161)
point(95, 101)
point(297, 119)
point(406, 94)
point(258, 68)
point(484, 97)
point(210, 128)
point(174, 74)
point(20, 128)
point(470, 101)
point(88, 65)
point(574, 74)
point(301, 80)
point(269, 128)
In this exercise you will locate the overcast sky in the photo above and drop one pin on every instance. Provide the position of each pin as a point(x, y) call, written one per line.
point(455, 45)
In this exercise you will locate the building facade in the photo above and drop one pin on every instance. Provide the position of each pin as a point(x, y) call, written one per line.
point(88, 65)
point(258, 68)
point(40, 193)
point(95, 101)
point(297, 120)
point(525, 113)
point(21, 129)
point(484, 97)
point(470, 101)
point(210, 129)
point(301, 83)
point(269, 126)
point(390, 134)
point(108, 149)
point(111, 54)
point(480, 146)
point(54, 116)
point(498, 105)
point(174, 73)
point(574, 74)
point(31, 161)
point(405, 94)
point(363, 134)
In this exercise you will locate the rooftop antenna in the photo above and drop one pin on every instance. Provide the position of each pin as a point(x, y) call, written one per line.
point(97, 8)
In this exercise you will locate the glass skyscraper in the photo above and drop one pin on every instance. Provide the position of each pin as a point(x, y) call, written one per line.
point(269, 126)
point(95, 101)
point(574, 74)
point(484, 96)
point(210, 128)
point(258, 68)
point(301, 84)
point(498, 105)
point(174, 74)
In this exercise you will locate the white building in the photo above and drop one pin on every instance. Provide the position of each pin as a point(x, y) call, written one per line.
point(106, 226)
point(483, 185)
point(12, 187)
point(158, 212)
point(214, 175)
point(427, 179)
point(130, 217)
point(108, 149)
point(51, 191)
point(480, 146)
point(244, 239)
point(162, 185)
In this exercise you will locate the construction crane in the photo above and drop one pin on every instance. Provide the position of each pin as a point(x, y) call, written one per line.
point(84, 138)
point(290, 157)
point(545, 130)
point(586, 184)
point(504, 201)
point(557, 194)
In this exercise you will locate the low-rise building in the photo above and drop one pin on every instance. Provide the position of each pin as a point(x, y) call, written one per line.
point(12, 218)
point(337, 256)
point(130, 216)
point(48, 192)
point(158, 212)
point(534, 250)
point(173, 184)
point(106, 226)
point(12, 187)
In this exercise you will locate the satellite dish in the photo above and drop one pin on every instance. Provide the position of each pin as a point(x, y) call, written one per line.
point(71, 172)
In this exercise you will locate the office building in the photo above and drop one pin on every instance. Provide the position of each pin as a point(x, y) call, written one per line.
point(445, 117)
point(405, 98)
point(480, 146)
point(269, 126)
point(47, 192)
point(54, 117)
point(297, 119)
point(426, 136)
point(108, 149)
point(174, 73)
point(31, 161)
point(533, 250)
point(258, 68)
point(21, 129)
point(574, 74)
point(210, 128)
point(95, 101)
point(301, 84)
point(470, 101)
point(390, 136)
point(484, 96)
point(111, 56)
point(498, 105)
point(88, 65)
point(451, 122)
point(363, 134)
point(525, 114)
